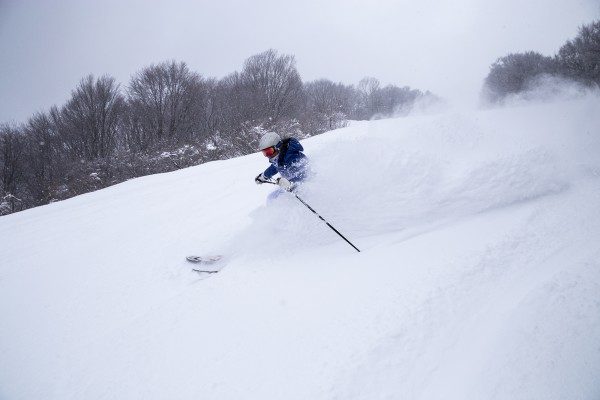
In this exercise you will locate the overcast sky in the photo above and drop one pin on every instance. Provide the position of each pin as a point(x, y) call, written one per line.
point(446, 46)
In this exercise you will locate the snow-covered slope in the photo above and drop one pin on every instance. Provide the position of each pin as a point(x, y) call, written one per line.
point(479, 276)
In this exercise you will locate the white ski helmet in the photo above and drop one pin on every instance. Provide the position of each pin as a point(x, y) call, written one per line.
point(269, 139)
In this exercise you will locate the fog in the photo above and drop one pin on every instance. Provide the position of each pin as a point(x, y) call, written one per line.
point(443, 46)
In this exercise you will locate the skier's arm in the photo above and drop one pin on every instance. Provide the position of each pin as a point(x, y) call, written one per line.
point(269, 172)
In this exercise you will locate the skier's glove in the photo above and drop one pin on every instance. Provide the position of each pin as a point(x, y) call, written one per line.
point(285, 184)
point(260, 179)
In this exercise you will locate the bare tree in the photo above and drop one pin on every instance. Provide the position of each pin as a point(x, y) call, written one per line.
point(512, 73)
point(208, 112)
point(579, 58)
point(274, 84)
point(165, 102)
point(46, 161)
point(91, 117)
point(328, 104)
point(12, 167)
point(368, 88)
point(234, 101)
point(393, 99)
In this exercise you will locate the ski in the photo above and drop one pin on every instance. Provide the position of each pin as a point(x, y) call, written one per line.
point(203, 259)
point(210, 264)
point(200, 271)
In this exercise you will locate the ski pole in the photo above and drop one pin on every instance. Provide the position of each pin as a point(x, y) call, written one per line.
point(317, 214)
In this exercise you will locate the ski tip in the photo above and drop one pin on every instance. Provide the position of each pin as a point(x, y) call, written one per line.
point(205, 259)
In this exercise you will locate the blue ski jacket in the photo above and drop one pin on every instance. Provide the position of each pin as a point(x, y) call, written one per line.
point(290, 162)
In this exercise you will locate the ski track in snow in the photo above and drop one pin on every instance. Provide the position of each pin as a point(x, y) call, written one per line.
point(478, 277)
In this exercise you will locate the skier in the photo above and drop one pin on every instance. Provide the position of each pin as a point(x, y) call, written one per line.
point(286, 158)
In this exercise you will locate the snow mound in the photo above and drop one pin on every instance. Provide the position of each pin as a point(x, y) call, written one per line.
point(478, 275)
point(406, 174)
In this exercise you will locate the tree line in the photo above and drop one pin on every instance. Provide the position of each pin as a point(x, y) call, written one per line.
point(577, 60)
point(169, 117)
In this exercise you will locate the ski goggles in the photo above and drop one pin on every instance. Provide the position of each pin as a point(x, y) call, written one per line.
point(269, 151)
